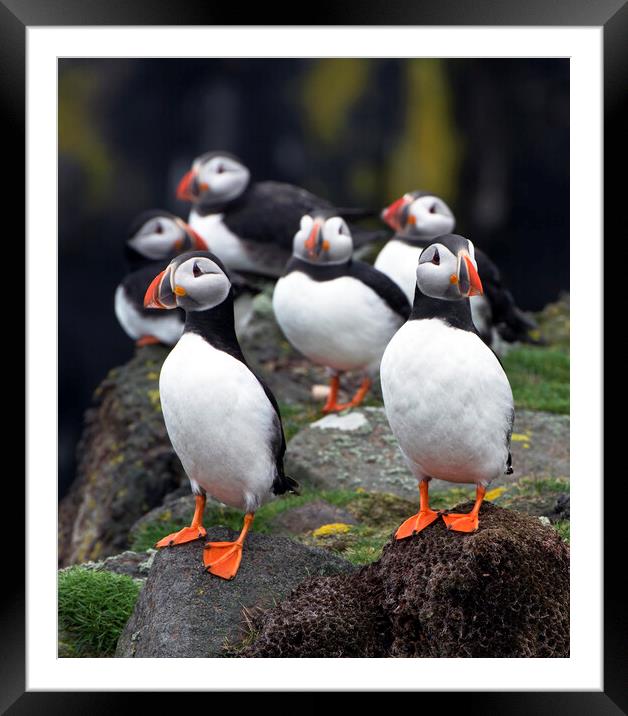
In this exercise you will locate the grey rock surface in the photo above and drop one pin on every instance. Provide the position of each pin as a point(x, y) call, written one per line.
point(184, 612)
point(358, 449)
point(311, 516)
point(133, 564)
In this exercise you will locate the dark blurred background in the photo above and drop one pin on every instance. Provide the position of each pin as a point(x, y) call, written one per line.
point(490, 136)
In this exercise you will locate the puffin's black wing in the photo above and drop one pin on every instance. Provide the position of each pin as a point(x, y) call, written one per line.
point(270, 212)
point(282, 482)
point(511, 422)
point(383, 286)
point(511, 322)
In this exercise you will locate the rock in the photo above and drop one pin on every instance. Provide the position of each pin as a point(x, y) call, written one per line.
point(184, 612)
point(311, 516)
point(502, 591)
point(133, 564)
point(358, 449)
point(126, 463)
point(561, 510)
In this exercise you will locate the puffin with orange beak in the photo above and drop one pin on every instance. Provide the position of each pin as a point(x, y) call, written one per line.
point(222, 420)
point(154, 238)
point(418, 217)
point(446, 396)
point(251, 224)
point(335, 310)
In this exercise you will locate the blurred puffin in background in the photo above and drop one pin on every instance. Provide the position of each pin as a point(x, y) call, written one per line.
point(222, 420)
point(335, 310)
point(446, 396)
point(420, 216)
point(250, 225)
point(154, 238)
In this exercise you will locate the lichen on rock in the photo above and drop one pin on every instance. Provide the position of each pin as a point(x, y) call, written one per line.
point(126, 464)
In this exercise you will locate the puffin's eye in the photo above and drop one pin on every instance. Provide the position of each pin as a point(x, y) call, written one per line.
point(220, 169)
point(433, 209)
point(436, 258)
point(159, 229)
point(197, 270)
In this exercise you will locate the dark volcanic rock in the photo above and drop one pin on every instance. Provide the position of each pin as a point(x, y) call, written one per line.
point(126, 463)
point(184, 612)
point(358, 449)
point(502, 591)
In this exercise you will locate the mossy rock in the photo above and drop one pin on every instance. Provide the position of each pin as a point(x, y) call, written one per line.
point(502, 591)
point(126, 464)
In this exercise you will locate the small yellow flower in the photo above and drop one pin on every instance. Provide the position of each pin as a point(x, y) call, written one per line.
point(520, 437)
point(335, 528)
point(493, 494)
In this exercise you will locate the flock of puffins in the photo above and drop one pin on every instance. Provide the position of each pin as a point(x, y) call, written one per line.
point(425, 315)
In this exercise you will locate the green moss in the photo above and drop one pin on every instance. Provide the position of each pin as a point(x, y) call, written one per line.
point(563, 529)
point(296, 416)
point(93, 609)
point(539, 378)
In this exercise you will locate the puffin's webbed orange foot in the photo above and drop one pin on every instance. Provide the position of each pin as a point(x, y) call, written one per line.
point(187, 534)
point(416, 523)
point(223, 558)
point(462, 523)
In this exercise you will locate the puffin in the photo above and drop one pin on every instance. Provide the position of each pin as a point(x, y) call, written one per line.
point(417, 218)
point(222, 419)
point(250, 224)
point(337, 311)
point(446, 396)
point(154, 238)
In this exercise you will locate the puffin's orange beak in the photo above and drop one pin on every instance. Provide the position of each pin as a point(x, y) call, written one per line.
point(475, 285)
point(392, 215)
point(159, 294)
point(312, 239)
point(185, 190)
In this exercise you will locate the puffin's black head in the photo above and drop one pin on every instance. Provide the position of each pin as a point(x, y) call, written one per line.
point(447, 269)
point(215, 177)
point(194, 281)
point(157, 234)
point(323, 237)
point(421, 214)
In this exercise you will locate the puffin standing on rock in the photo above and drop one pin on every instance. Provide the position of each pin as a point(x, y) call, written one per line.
point(222, 420)
point(418, 217)
point(446, 396)
point(155, 237)
point(338, 312)
point(250, 225)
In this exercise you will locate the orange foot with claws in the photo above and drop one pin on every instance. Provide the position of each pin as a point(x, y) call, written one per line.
point(187, 534)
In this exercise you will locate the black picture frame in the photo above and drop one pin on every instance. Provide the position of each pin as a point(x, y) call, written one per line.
point(17, 15)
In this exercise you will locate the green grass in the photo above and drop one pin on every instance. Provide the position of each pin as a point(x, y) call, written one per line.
point(539, 378)
point(93, 609)
point(296, 416)
point(562, 528)
point(219, 515)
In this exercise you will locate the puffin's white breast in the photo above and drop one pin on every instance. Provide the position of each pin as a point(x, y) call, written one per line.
point(220, 422)
point(226, 245)
point(166, 327)
point(342, 323)
point(448, 402)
